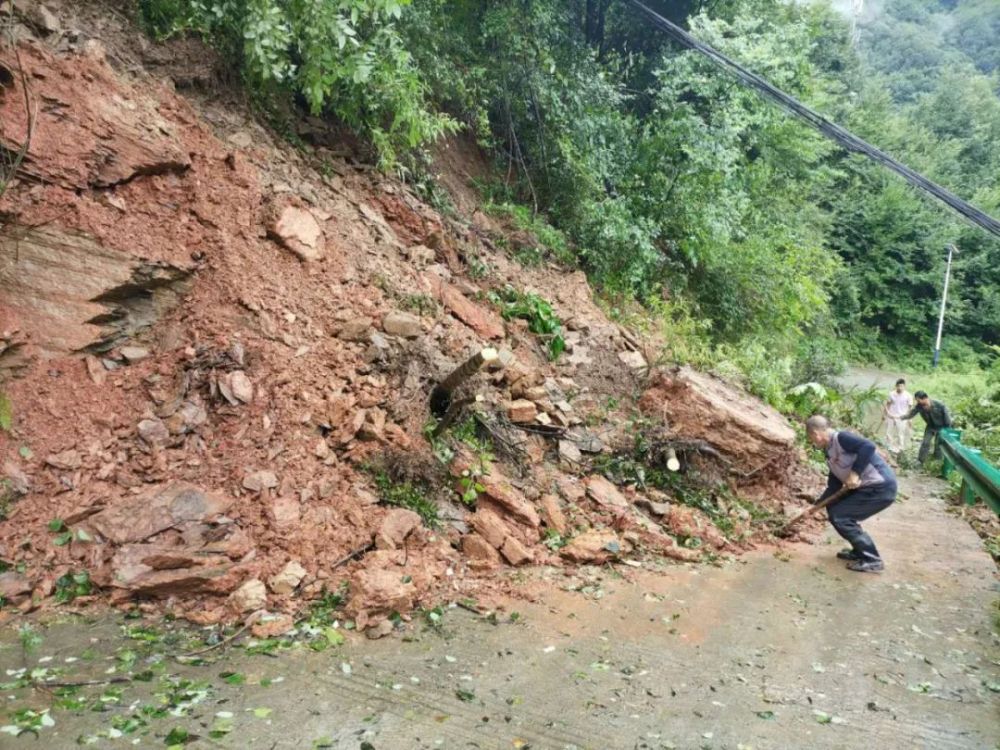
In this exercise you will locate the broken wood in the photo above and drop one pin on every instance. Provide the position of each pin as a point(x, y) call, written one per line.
point(673, 464)
point(441, 396)
point(454, 409)
point(352, 555)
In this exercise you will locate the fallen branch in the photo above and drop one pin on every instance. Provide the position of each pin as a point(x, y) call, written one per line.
point(352, 555)
point(84, 683)
point(246, 625)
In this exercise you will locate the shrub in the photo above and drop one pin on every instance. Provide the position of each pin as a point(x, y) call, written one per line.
point(344, 57)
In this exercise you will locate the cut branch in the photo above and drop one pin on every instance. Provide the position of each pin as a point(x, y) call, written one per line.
point(441, 396)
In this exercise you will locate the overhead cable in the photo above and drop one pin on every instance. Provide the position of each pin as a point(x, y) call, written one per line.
point(828, 128)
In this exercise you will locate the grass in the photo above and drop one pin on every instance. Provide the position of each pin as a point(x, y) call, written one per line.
point(405, 494)
point(550, 241)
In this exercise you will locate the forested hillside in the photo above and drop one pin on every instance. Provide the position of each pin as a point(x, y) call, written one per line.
point(753, 238)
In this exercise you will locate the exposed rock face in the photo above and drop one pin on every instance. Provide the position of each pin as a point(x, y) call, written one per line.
point(66, 291)
point(106, 239)
point(86, 136)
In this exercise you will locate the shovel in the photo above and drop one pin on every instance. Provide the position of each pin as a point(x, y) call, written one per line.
point(785, 529)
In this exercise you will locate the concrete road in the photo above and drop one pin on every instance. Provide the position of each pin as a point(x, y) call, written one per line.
point(780, 649)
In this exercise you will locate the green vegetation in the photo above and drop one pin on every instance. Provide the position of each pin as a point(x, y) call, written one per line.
point(71, 585)
point(6, 413)
point(344, 57)
point(973, 397)
point(406, 494)
point(542, 319)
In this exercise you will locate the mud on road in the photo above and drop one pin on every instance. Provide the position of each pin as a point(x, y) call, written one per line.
point(779, 649)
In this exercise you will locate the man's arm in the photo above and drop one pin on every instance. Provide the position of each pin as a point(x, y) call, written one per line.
point(946, 415)
point(912, 412)
point(832, 485)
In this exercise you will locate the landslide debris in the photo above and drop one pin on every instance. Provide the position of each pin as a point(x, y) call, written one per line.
point(220, 353)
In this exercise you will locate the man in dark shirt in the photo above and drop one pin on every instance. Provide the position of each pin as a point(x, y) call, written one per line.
point(935, 416)
point(854, 463)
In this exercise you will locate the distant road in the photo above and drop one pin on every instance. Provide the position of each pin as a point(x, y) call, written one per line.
point(867, 377)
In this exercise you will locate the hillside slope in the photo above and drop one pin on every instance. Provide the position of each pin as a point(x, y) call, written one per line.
point(220, 352)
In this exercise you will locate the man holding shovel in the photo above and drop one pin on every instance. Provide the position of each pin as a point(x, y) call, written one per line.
point(855, 466)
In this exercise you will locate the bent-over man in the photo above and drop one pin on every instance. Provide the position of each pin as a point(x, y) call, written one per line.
point(854, 463)
point(935, 416)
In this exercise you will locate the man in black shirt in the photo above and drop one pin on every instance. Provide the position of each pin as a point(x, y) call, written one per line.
point(935, 416)
point(854, 463)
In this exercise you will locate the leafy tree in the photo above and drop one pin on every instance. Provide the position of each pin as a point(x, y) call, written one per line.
point(342, 56)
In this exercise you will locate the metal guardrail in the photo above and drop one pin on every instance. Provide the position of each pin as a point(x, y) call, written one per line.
point(980, 478)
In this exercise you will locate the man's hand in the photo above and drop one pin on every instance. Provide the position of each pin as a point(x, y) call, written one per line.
point(853, 481)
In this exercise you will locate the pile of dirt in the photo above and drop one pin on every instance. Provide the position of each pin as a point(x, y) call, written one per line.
point(209, 338)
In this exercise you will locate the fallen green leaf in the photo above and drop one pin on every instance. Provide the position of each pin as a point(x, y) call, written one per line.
point(334, 636)
point(177, 737)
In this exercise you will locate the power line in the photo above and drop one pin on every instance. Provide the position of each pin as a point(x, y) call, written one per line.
point(828, 128)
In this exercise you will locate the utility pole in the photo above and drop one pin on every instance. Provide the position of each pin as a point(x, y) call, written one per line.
point(857, 9)
point(944, 300)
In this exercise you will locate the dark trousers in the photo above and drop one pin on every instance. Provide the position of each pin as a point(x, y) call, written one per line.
point(846, 516)
point(930, 435)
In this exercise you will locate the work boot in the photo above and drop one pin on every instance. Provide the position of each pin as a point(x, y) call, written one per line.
point(866, 566)
point(848, 553)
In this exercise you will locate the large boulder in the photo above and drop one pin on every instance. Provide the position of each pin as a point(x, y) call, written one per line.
point(164, 507)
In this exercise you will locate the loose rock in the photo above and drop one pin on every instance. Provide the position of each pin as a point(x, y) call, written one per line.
point(522, 411)
point(479, 552)
point(396, 526)
point(66, 461)
point(154, 432)
point(259, 481)
point(593, 547)
point(602, 492)
point(249, 597)
point(402, 324)
point(553, 514)
point(633, 360)
point(357, 329)
point(288, 579)
point(297, 230)
point(241, 387)
point(271, 626)
point(134, 354)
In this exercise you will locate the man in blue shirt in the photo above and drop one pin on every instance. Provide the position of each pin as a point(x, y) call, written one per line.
point(854, 463)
